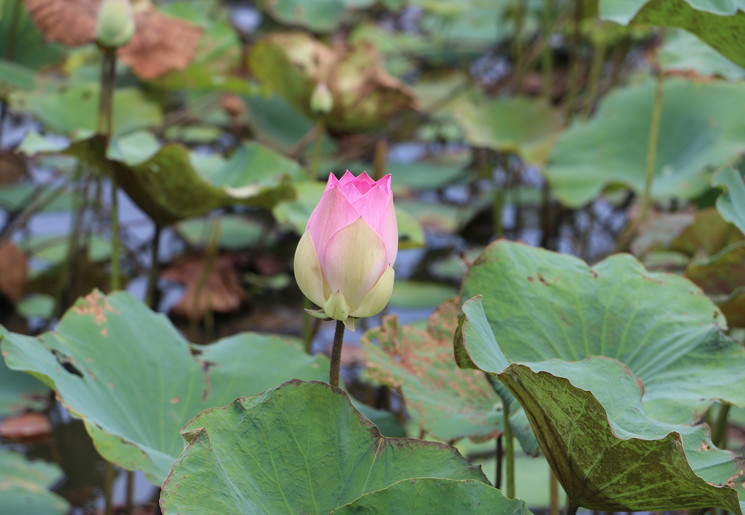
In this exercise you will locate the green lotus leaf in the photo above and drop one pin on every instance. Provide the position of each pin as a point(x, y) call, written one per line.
point(682, 51)
point(135, 381)
point(298, 448)
point(20, 391)
point(723, 277)
point(169, 187)
point(25, 486)
point(731, 204)
point(27, 46)
point(589, 419)
point(543, 305)
point(74, 110)
point(523, 126)
point(717, 22)
point(429, 495)
point(699, 131)
point(447, 402)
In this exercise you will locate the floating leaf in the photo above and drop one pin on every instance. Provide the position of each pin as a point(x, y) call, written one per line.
point(299, 448)
point(716, 22)
point(15, 75)
point(519, 125)
point(135, 381)
point(446, 401)
point(25, 486)
point(591, 424)
point(429, 495)
point(699, 131)
point(731, 204)
point(542, 305)
point(419, 295)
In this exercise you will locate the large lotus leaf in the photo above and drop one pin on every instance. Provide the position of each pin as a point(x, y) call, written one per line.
point(135, 381)
point(168, 187)
point(20, 391)
point(443, 399)
point(316, 15)
point(299, 448)
point(699, 131)
point(74, 110)
point(717, 22)
point(430, 495)
point(24, 486)
point(364, 96)
point(543, 305)
point(606, 451)
point(731, 204)
point(524, 126)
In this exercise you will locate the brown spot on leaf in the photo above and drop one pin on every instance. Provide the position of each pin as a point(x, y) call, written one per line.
point(174, 400)
point(94, 304)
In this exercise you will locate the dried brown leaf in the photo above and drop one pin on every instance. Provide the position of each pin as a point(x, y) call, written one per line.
point(220, 291)
point(13, 271)
point(70, 22)
point(161, 44)
point(26, 427)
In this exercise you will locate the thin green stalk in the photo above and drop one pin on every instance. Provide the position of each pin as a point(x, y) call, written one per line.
point(336, 354)
point(719, 432)
point(108, 483)
point(598, 59)
point(509, 452)
point(497, 207)
point(499, 454)
point(380, 163)
point(209, 261)
point(130, 489)
point(307, 326)
point(518, 47)
point(105, 115)
point(553, 485)
point(547, 63)
point(654, 135)
point(151, 296)
point(574, 75)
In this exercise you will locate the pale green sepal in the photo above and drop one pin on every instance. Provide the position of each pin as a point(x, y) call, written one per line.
point(349, 323)
point(317, 313)
point(308, 271)
point(378, 297)
point(336, 307)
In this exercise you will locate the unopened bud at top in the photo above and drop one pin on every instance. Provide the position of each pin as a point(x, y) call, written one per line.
point(115, 23)
point(321, 101)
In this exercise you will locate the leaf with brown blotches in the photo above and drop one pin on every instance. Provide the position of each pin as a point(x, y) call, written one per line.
point(161, 44)
point(26, 427)
point(220, 291)
point(13, 271)
point(70, 22)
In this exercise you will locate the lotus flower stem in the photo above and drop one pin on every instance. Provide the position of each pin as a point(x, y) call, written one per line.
point(152, 275)
point(654, 134)
point(574, 75)
point(719, 431)
point(598, 58)
point(498, 458)
point(509, 452)
point(336, 354)
point(518, 48)
point(547, 64)
point(553, 485)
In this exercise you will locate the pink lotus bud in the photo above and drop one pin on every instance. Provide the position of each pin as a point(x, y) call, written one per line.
point(344, 261)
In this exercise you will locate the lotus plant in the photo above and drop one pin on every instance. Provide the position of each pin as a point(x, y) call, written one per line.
point(344, 261)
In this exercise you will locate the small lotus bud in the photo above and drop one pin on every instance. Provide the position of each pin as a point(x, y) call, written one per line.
point(115, 23)
point(344, 260)
point(321, 101)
